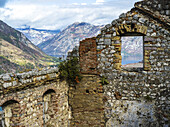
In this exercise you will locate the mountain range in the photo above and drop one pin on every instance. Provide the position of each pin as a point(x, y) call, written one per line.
point(68, 38)
point(58, 44)
point(18, 53)
point(37, 36)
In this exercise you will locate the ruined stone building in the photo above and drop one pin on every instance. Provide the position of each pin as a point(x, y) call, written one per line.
point(130, 98)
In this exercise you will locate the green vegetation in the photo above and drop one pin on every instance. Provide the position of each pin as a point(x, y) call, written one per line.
point(29, 66)
point(50, 59)
point(2, 71)
point(6, 38)
point(148, 98)
point(70, 70)
point(6, 66)
point(104, 81)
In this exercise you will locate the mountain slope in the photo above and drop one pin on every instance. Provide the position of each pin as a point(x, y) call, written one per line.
point(64, 41)
point(16, 51)
point(37, 36)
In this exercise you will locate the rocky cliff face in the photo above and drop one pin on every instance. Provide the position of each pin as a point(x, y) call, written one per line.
point(17, 52)
point(64, 41)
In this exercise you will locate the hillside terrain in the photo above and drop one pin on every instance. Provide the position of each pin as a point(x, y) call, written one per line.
point(18, 53)
point(37, 36)
point(68, 38)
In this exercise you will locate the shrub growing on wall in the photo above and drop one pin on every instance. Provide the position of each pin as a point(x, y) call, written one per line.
point(70, 70)
point(104, 81)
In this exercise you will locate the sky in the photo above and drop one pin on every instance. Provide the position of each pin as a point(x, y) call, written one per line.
point(57, 14)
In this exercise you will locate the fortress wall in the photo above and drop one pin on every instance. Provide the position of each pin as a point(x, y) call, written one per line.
point(132, 97)
point(88, 58)
point(135, 97)
point(37, 99)
point(86, 102)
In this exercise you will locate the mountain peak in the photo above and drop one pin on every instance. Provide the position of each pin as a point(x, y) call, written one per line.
point(81, 23)
point(68, 38)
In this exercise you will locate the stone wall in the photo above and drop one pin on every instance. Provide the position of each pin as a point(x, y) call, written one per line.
point(1, 118)
point(137, 97)
point(156, 7)
point(88, 58)
point(34, 99)
point(128, 90)
point(86, 103)
point(134, 98)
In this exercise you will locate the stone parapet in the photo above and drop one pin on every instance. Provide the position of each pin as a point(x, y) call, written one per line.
point(13, 82)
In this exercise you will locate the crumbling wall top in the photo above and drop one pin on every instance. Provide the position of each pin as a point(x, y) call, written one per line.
point(158, 8)
point(12, 81)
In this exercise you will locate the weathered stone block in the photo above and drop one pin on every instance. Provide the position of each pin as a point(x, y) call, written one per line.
point(6, 77)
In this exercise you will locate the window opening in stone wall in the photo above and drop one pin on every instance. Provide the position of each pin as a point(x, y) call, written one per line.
point(48, 97)
point(132, 52)
point(1, 116)
point(10, 114)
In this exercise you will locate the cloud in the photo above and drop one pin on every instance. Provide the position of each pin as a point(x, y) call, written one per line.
point(99, 1)
point(3, 2)
point(83, 3)
point(75, 3)
point(58, 16)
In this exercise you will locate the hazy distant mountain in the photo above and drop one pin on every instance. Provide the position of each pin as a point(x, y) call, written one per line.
point(59, 44)
point(132, 49)
point(132, 46)
point(64, 41)
point(37, 36)
point(17, 52)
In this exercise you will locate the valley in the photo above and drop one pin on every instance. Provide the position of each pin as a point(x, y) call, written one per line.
point(17, 53)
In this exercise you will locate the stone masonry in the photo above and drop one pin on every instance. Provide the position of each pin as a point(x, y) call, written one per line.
point(137, 97)
point(34, 99)
point(88, 59)
point(86, 102)
point(130, 98)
